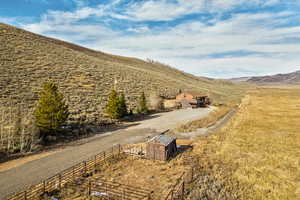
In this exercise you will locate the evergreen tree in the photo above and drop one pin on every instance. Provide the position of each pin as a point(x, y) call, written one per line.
point(51, 112)
point(113, 105)
point(122, 105)
point(142, 107)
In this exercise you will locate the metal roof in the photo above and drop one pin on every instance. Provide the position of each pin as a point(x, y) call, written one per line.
point(163, 139)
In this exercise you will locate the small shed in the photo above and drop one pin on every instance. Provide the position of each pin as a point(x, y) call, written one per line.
point(161, 147)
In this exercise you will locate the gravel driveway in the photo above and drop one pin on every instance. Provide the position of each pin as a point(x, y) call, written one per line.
point(169, 120)
point(35, 171)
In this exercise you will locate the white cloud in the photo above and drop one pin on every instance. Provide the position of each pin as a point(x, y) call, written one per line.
point(163, 10)
point(166, 10)
point(236, 66)
point(191, 46)
point(271, 2)
point(58, 17)
point(139, 29)
point(61, 24)
point(80, 3)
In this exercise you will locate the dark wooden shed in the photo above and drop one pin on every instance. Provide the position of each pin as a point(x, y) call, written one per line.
point(161, 147)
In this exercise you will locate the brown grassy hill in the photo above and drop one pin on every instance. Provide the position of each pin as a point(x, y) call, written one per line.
point(86, 76)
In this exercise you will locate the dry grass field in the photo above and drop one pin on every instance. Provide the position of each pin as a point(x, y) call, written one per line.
point(257, 155)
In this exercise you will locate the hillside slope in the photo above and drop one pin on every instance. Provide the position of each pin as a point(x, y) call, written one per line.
point(86, 76)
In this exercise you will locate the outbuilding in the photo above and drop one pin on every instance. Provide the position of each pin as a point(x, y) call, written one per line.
point(161, 147)
point(192, 100)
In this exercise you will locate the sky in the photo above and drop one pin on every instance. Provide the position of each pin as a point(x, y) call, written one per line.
point(213, 38)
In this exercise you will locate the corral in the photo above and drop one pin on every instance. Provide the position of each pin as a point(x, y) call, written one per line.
point(114, 174)
point(155, 175)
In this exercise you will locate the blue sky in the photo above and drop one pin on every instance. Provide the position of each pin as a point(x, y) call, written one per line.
point(215, 38)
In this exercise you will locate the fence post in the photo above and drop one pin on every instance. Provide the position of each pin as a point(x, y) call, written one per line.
point(44, 185)
point(85, 170)
point(95, 164)
point(25, 195)
point(59, 179)
point(112, 151)
point(73, 170)
point(119, 150)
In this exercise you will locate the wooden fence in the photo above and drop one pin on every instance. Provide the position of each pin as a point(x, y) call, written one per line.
point(177, 192)
point(100, 187)
point(136, 150)
point(71, 174)
point(112, 190)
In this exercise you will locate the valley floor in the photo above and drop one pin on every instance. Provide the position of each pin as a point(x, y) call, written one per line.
point(257, 155)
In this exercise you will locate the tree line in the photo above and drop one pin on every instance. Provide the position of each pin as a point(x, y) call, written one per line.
point(22, 132)
point(52, 112)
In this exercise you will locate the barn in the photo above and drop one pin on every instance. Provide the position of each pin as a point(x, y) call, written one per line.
point(161, 147)
point(192, 100)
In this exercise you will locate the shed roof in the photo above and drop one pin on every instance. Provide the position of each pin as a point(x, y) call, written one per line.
point(163, 139)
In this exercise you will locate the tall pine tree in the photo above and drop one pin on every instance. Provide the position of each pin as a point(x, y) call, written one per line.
point(142, 106)
point(122, 105)
point(51, 112)
point(116, 107)
point(112, 107)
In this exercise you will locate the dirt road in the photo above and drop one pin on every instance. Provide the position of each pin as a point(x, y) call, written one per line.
point(208, 130)
point(33, 172)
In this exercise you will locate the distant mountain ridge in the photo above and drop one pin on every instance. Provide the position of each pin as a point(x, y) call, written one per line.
point(240, 79)
point(289, 78)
